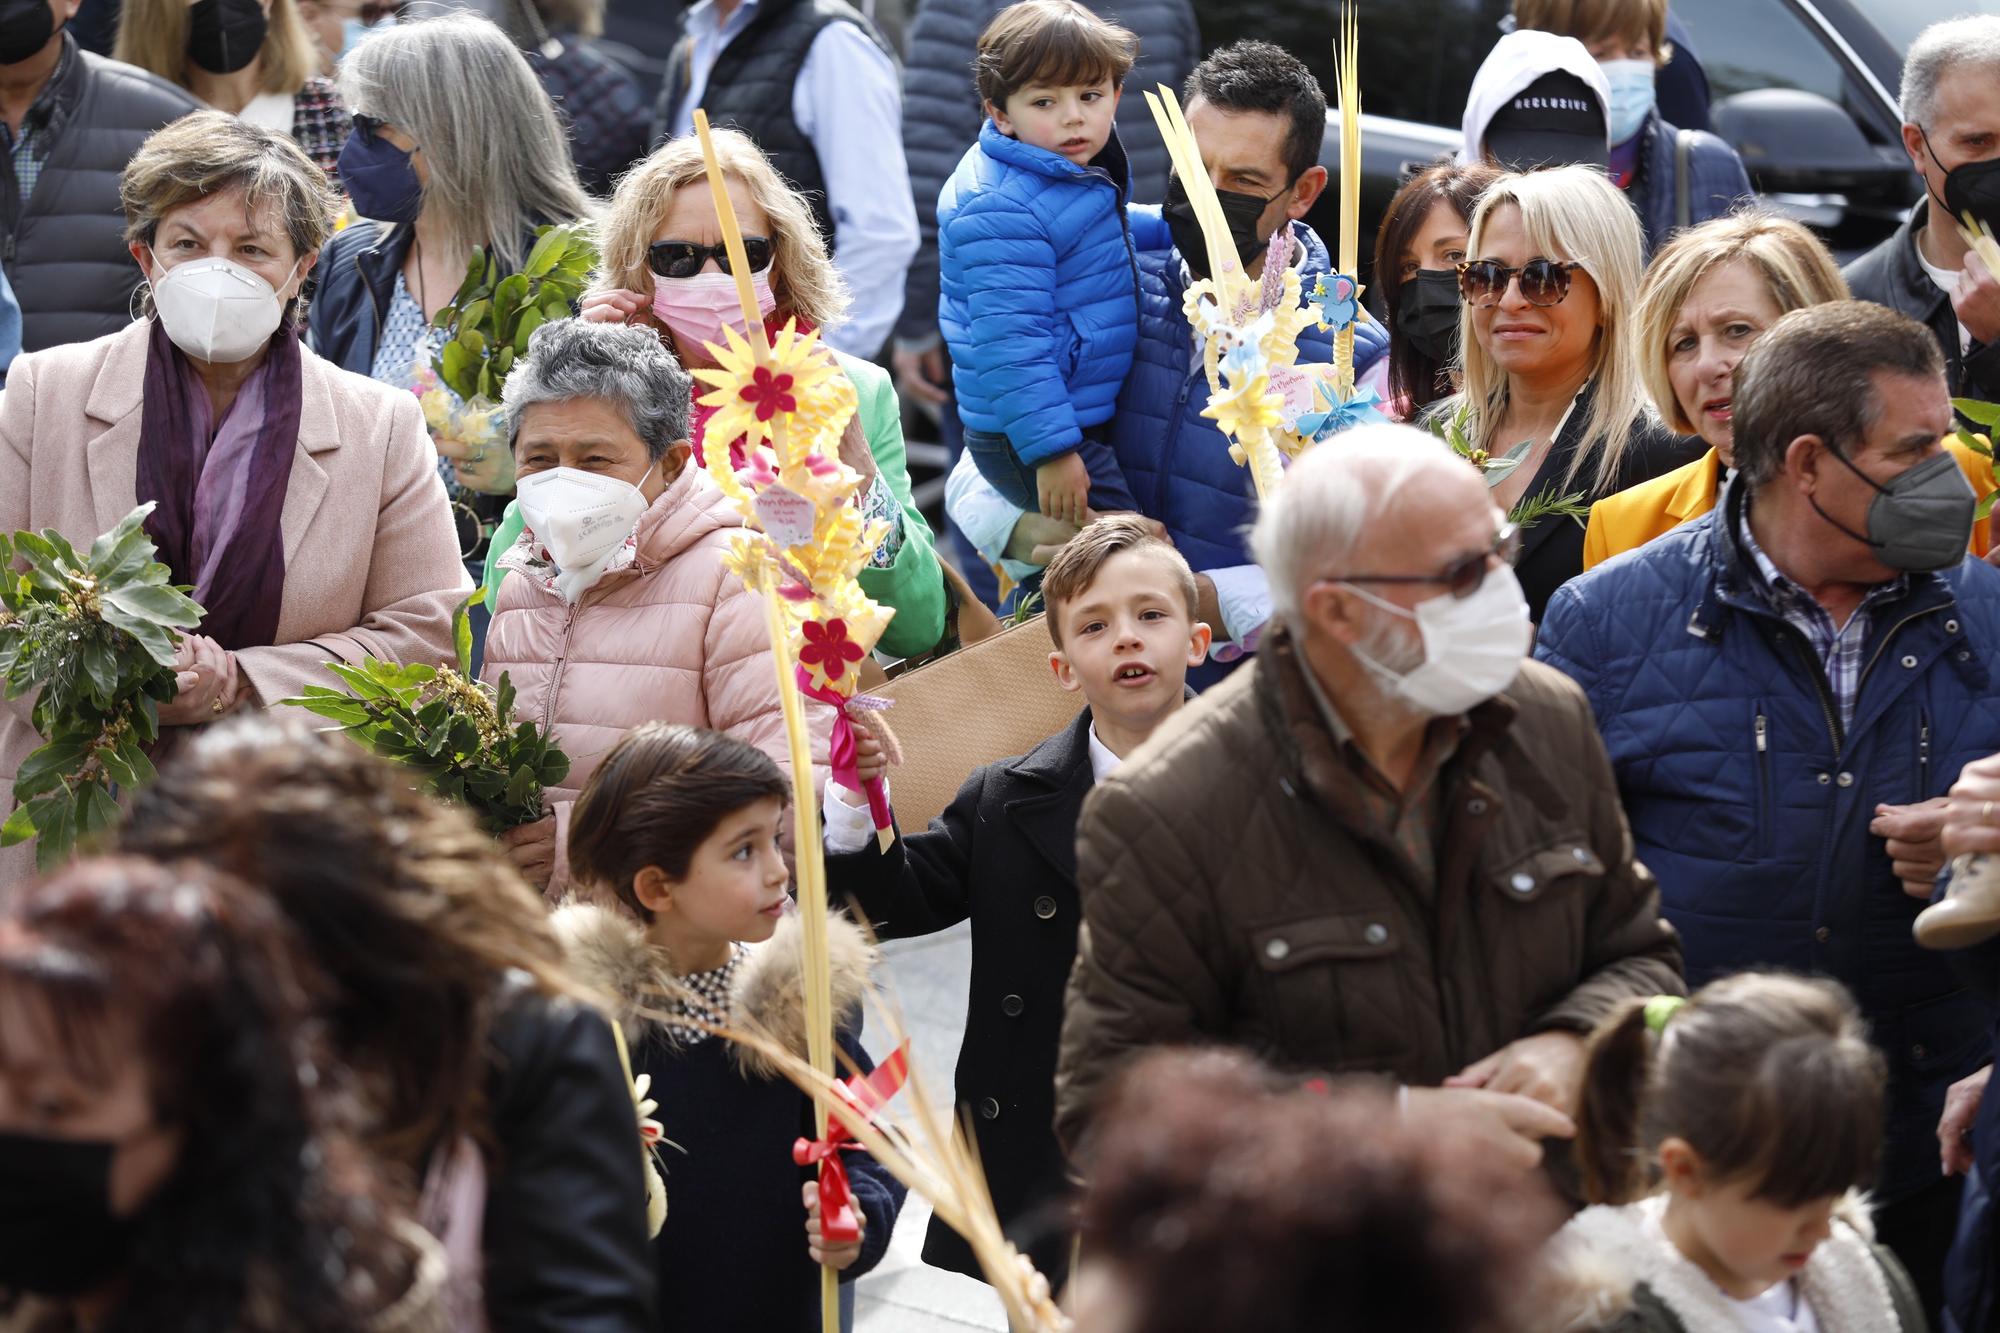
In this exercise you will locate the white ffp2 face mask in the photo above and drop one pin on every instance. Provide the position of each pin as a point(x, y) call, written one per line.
point(215, 309)
point(1473, 646)
point(582, 518)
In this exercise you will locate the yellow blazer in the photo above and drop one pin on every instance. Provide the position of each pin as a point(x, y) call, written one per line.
point(1634, 517)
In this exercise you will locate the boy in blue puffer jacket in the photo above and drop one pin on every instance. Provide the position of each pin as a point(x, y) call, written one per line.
point(1039, 299)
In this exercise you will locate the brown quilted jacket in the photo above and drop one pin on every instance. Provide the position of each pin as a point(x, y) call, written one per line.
point(1229, 896)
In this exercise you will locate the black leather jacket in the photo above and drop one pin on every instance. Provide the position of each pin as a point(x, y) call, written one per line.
point(1891, 275)
point(566, 1246)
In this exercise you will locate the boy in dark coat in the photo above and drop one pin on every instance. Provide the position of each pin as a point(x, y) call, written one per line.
point(1121, 610)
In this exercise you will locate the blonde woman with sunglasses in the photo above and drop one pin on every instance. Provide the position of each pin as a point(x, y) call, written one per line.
point(1550, 292)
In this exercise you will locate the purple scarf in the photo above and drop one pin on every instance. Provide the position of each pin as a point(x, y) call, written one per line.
point(221, 489)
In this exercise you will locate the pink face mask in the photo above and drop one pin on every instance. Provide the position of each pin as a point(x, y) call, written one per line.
point(697, 308)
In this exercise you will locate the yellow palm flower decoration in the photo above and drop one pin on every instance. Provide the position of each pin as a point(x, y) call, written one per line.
point(754, 396)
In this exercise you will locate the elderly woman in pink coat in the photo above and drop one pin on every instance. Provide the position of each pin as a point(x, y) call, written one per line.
point(615, 608)
point(301, 502)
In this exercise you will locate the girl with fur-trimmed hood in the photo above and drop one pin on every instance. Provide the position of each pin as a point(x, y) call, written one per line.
point(1724, 1139)
point(683, 824)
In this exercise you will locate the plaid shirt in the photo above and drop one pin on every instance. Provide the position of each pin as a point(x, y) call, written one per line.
point(31, 147)
point(1838, 647)
point(320, 123)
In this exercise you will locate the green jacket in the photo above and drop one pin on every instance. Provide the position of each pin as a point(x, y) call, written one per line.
point(914, 585)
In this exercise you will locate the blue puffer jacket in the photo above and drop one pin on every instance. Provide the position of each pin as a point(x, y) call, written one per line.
point(1754, 815)
point(1174, 459)
point(1039, 304)
point(1717, 182)
point(941, 112)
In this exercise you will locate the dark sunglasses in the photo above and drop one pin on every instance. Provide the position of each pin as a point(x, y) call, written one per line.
point(684, 259)
point(1482, 282)
point(1463, 577)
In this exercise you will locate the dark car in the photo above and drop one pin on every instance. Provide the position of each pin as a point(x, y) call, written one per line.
point(1804, 89)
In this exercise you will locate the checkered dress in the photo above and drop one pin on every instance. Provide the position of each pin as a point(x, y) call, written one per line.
point(706, 1001)
point(320, 123)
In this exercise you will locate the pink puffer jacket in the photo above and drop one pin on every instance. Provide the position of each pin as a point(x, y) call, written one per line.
point(672, 637)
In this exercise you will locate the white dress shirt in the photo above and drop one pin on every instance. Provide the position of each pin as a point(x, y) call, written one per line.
point(849, 101)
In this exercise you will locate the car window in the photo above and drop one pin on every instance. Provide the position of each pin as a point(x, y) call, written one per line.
point(1901, 20)
point(1748, 44)
point(1417, 56)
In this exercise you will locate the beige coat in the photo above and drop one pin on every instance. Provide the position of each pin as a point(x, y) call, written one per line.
point(371, 555)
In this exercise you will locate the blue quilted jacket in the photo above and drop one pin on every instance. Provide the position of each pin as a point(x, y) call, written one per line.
point(1038, 304)
point(1174, 459)
point(1717, 182)
point(1753, 810)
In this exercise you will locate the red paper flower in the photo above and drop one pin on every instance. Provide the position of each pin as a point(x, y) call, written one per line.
point(770, 394)
point(828, 650)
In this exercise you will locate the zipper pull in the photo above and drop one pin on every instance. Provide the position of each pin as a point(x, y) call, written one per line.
point(1760, 733)
point(1924, 746)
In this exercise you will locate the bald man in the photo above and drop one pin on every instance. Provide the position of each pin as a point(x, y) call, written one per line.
point(1392, 847)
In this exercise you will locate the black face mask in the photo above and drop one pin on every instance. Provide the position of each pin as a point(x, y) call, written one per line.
point(1242, 212)
point(1969, 187)
point(58, 1236)
point(1427, 313)
point(226, 35)
point(25, 28)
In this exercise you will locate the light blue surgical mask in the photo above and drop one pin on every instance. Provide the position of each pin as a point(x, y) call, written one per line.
point(1631, 96)
point(354, 31)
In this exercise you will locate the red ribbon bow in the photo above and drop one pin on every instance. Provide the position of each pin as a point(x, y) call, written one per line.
point(866, 1094)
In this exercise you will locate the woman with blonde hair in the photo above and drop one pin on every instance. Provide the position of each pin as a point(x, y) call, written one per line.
point(663, 268)
point(1709, 294)
point(455, 147)
point(1546, 335)
point(252, 58)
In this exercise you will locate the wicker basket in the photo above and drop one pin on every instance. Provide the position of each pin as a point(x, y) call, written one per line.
point(989, 700)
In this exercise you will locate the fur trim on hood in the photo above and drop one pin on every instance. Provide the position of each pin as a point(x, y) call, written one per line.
point(1598, 1263)
point(608, 951)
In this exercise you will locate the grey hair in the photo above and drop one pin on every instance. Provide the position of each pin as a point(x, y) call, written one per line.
point(621, 364)
point(498, 157)
point(1972, 39)
point(1328, 499)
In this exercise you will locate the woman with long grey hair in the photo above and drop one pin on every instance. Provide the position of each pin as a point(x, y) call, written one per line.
point(455, 146)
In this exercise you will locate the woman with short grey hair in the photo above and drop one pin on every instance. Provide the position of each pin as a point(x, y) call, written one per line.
point(622, 610)
point(455, 146)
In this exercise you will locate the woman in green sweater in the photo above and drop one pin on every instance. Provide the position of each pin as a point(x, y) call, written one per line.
point(663, 268)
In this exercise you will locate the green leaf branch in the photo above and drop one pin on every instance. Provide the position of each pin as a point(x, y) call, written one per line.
point(96, 634)
point(1455, 429)
point(489, 321)
point(456, 734)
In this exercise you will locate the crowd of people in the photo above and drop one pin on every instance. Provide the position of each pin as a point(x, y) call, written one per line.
point(1474, 893)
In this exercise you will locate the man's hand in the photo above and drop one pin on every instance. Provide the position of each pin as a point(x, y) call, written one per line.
point(1547, 1067)
point(1036, 539)
point(923, 375)
point(532, 849)
point(1914, 843)
point(1972, 811)
point(1976, 299)
point(1505, 1125)
point(1064, 486)
point(836, 1257)
point(1961, 1108)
